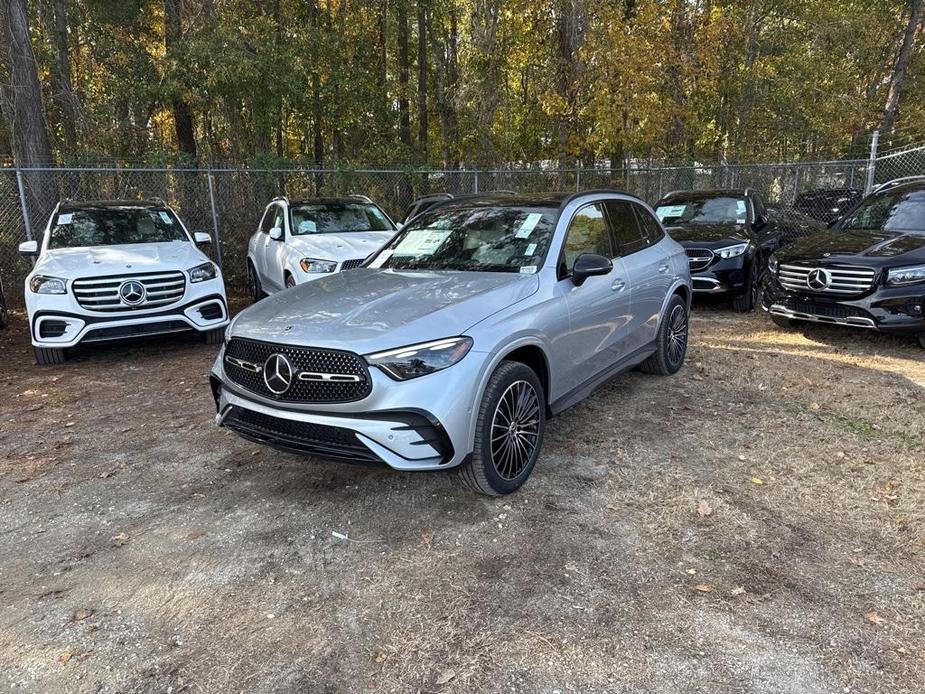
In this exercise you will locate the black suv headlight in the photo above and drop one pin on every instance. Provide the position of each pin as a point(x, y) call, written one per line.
point(419, 360)
point(203, 272)
point(773, 264)
point(898, 276)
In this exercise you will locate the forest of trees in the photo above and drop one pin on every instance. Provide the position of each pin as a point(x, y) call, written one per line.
point(446, 83)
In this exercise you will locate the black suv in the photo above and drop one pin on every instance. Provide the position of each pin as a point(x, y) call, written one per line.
point(728, 235)
point(867, 271)
point(828, 204)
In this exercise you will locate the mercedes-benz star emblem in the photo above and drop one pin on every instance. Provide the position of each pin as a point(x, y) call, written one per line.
point(132, 292)
point(277, 373)
point(818, 279)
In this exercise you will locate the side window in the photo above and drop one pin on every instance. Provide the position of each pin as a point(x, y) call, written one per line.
point(587, 233)
point(278, 218)
point(267, 223)
point(627, 235)
point(650, 227)
point(758, 205)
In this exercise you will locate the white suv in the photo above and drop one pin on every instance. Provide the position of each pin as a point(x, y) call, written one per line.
point(302, 240)
point(113, 270)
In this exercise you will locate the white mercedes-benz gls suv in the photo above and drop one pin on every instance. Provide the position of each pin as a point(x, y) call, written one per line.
point(301, 240)
point(113, 270)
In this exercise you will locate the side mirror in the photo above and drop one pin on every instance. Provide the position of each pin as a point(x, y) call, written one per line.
point(760, 221)
point(201, 238)
point(29, 248)
point(276, 233)
point(590, 265)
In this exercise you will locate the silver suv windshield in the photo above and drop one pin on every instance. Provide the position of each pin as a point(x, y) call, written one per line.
point(718, 210)
point(334, 217)
point(896, 211)
point(103, 226)
point(480, 239)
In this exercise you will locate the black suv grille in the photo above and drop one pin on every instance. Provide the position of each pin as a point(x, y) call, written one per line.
point(699, 258)
point(304, 360)
point(823, 309)
point(306, 437)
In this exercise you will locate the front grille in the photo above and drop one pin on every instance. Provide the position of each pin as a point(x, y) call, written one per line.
point(699, 258)
point(304, 360)
point(843, 280)
point(822, 309)
point(102, 293)
point(351, 264)
point(307, 437)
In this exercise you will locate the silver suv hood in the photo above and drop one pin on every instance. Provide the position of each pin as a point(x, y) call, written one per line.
point(367, 310)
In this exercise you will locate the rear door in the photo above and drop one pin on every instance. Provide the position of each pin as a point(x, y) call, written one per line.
point(599, 309)
point(636, 236)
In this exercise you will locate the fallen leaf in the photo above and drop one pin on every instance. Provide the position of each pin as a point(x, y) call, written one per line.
point(82, 613)
point(445, 676)
point(757, 480)
point(194, 535)
point(737, 591)
point(704, 509)
point(815, 406)
point(874, 618)
point(119, 540)
point(64, 657)
point(704, 587)
point(380, 657)
point(692, 572)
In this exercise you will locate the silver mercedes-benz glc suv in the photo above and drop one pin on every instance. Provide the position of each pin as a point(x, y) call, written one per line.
point(454, 344)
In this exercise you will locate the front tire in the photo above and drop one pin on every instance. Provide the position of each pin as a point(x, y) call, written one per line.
point(48, 356)
point(671, 340)
point(254, 287)
point(509, 431)
point(214, 336)
point(290, 281)
point(922, 340)
point(783, 321)
point(751, 297)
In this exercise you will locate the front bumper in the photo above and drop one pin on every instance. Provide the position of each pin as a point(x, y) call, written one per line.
point(897, 310)
point(421, 424)
point(57, 320)
point(722, 276)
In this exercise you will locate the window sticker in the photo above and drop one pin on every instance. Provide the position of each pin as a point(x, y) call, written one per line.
point(65, 218)
point(528, 225)
point(307, 226)
point(531, 249)
point(670, 211)
point(528, 270)
point(165, 217)
point(421, 242)
point(740, 211)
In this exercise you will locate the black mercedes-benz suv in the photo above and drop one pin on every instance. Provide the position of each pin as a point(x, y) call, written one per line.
point(729, 236)
point(867, 271)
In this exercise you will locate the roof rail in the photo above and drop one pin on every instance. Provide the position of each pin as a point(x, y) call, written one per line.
point(361, 198)
point(896, 182)
point(282, 198)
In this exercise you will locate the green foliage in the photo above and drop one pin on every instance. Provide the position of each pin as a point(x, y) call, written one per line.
point(678, 80)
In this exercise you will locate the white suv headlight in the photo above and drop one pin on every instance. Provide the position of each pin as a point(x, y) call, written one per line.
point(201, 273)
point(731, 251)
point(42, 284)
point(905, 275)
point(422, 359)
point(316, 265)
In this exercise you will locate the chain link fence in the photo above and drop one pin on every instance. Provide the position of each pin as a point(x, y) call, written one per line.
point(228, 203)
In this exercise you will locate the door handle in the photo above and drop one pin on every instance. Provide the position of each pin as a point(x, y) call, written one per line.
point(618, 285)
point(663, 268)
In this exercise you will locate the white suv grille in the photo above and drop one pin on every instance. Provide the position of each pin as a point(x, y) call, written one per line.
point(826, 280)
point(102, 293)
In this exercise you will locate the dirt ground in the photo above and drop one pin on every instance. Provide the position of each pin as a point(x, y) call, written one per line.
point(754, 524)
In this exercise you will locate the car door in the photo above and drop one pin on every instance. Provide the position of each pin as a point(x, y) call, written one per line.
point(598, 309)
point(272, 272)
point(647, 267)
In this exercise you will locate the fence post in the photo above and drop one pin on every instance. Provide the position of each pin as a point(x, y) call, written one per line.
point(578, 178)
point(218, 239)
point(22, 203)
point(872, 162)
point(475, 182)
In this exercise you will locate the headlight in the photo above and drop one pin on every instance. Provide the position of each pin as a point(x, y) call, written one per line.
point(731, 251)
point(905, 275)
point(201, 273)
point(40, 284)
point(773, 264)
point(420, 360)
point(315, 265)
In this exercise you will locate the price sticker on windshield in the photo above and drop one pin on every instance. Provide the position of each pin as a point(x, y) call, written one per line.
point(528, 225)
point(165, 217)
point(670, 211)
point(421, 242)
point(65, 218)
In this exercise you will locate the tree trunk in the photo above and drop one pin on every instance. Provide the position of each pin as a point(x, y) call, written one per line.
point(422, 80)
point(569, 36)
point(404, 115)
point(56, 22)
point(182, 113)
point(899, 70)
point(385, 119)
point(22, 107)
